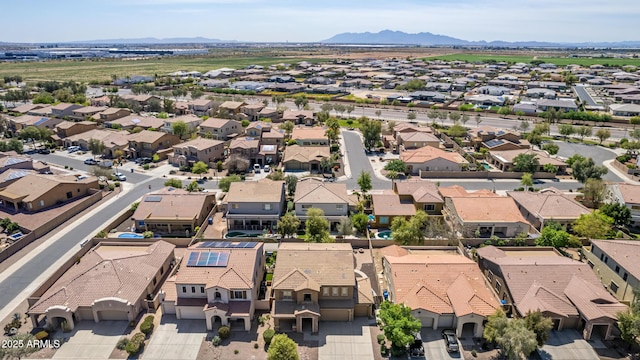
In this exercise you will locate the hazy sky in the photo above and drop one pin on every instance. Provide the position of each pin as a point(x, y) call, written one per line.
point(304, 20)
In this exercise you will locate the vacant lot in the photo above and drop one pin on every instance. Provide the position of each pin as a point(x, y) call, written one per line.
point(104, 69)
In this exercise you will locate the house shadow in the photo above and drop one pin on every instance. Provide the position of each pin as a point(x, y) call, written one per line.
point(335, 329)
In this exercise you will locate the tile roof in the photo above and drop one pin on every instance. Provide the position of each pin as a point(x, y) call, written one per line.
point(134, 120)
point(305, 154)
point(108, 137)
point(309, 133)
point(421, 191)
point(231, 105)
point(428, 153)
point(315, 191)
point(507, 156)
point(244, 143)
point(262, 191)
point(555, 284)
point(187, 119)
point(625, 253)
point(442, 284)
point(418, 136)
point(390, 205)
point(33, 186)
point(477, 209)
point(199, 144)
point(148, 137)
point(177, 206)
point(549, 204)
point(314, 264)
point(215, 123)
point(630, 192)
point(108, 270)
point(238, 274)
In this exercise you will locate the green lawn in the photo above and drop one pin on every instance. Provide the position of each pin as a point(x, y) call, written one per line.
point(269, 277)
point(103, 69)
point(561, 61)
point(344, 123)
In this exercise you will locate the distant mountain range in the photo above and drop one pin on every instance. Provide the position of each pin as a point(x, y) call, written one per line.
point(389, 37)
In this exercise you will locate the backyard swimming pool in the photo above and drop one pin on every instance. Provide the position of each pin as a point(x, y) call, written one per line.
point(384, 235)
point(130, 236)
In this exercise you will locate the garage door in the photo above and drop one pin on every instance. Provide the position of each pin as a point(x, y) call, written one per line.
point(112, 315)
point(189, 312)
point(334, 315)
point(426, 321)
point(445, 321)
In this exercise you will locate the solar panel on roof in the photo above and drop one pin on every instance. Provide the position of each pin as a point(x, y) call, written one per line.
point(193, 259)
point(40, 121)
point(494, 143)
point(208, 259)
point(153, 199)
point(13, 161)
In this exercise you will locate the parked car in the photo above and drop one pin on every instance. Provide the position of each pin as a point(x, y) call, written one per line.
point(44, 151)
point(450, 340)
point(143, 160)
point(267, 168)
point(256, 168)
point(72, 149)
point(538, 181)
point(90, 161)
point(105, 163)
point(120, 176)
point(416, 349)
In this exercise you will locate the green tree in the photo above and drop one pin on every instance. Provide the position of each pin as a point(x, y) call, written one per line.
point(325, 164)
point(96, 147)
point(634, 120)
point(317, 226)
point(396, 165)
point(360, 221)
point(179, 129)
point(478, 119)
point(595, 225)
point(464, 119)
point(300, 101)
point(629, 323)
point(288, 224)
point(539, 324)
point(282, 348)
point(584, 131)
point(409, 232)
point(455, 117)
point(584, 169)
point(526, 180)
point(525, 163)
point(399, 325)
point(154, 105)
point(345, 226)
point(504, 110)
point(364, 182)
point(200, 167)
point(193, 187)
point(225, 183)
point(457, 131)
point(291, 181)
point(553, 234)
point(411, 115)
point(287, 126)
point(517, 342)
point(196, 93)
point(175, 183)
point(167, 105)
point(595, 192)
point(18, 352)
point(550, 168)
point(16, 145)
point(551, 148)
point(30, 133)
point(371, 130)
point(495, 326)
point(620, 214)
point(603, 134)
point(566, 130)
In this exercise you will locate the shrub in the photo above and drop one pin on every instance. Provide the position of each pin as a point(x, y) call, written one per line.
point(334, 148)
point(172, 172)
point(70, 167)
point(65, 326)
point(383, 350)
point(236, 351)
point(66, 166)
point(112, 187)
point(134, 345)
point(122, 344)
point(216, 340)
point(255, 346)
point(147, 234)
point(474, 353)
point(146, 166)
point(267, 335)
point(42, 335)
point(116, 184)
point(13, 324)
point(224, 332)
point(380, 338)
point(147, 325)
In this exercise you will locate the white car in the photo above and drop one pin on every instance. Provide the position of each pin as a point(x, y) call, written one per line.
point(120, 176)
point(267, 168)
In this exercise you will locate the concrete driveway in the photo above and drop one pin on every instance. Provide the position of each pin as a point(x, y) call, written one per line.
point(344, 341)
point(567, 345)
point(176, 339)
point(434, 347)
point(92, 341)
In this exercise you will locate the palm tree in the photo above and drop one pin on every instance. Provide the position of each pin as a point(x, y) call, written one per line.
point(527, 181)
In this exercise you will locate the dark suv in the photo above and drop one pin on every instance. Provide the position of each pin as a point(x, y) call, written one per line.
point(416, 349)
point(450, 340)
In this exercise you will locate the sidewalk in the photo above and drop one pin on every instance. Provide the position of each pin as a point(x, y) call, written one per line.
point(620, 174)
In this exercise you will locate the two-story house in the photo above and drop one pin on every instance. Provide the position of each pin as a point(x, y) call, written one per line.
point(220, 129)
point(548, 205)
point(218, 282)
point(332, 198)
point(233, 107)
point(86, 112)
point(246, 148)
point(111, 114)
point(253, 110)
point(256, 128)
point(68, 128)
point(255, 205)
point(201, 107)
point(423, 195)
point(316, 281)
point(190, 152)
point(617, 265)
point(299, 117)
point(146, 143)
point(629, 196)
point(64, 109)
point(191, 121)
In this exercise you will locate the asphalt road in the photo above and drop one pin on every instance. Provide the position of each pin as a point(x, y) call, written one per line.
point(76, 162)
point(584, 95)
point(13, 284)
point(597, 153)
point(359, 162)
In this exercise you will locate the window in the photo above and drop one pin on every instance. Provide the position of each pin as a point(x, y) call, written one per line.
point(266, 207)
point(344, 291)
point(490, 275)
point(202, 289)
point(339, 207)
point(287, 295)
point(184, 289)
point(498, 286)
point(625, 276)
point(161, 270)
point(590, 264)
point(307, 297)
point(384, 220)
point(617, 269)
point(335, 291)
point(635, 207)
point(614, 287)
point(325, 291)
point(601, 257)
point(69, 195)
point(155, 281)
point(234, 206)
point(429, 207)
point(306, 206)
point(606, 259)
point(41, 203)
point(238, 294)
point(193, 289)
point(217, 296)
